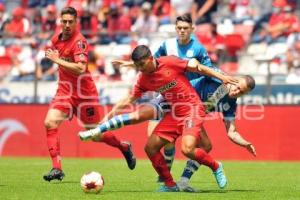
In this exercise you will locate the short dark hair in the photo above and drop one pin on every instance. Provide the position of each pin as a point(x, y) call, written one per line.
point(140, 52)
point(185, 18)
point(249, 81)
point(69, 10)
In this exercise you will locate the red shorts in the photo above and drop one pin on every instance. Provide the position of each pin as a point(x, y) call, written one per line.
point(86, 110)
point(170, 129)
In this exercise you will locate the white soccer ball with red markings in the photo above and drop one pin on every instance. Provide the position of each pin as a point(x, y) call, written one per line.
point(92, 182)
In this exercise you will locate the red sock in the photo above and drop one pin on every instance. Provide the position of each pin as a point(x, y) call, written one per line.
point(54, 147)
point(110, 139)
point(203, 158)
point(160, 165)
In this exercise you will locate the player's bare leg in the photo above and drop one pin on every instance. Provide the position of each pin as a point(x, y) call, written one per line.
point(189, 149)
point(192, 166)
point(53, 119)
point(143, 113)
point(151, 126)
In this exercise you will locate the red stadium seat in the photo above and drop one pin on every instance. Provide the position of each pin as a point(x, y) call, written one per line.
point(233, 43)
point(230, 68)
point(244, 30)
point(5, 66)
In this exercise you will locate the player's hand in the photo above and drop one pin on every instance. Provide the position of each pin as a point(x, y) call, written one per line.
point(230, 79)
point(251, 149)
point(52, 54)
point(122, 63)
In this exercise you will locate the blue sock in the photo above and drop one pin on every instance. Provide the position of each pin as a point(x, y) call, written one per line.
point(169, 156)
point(189, 169)
point(115, 123)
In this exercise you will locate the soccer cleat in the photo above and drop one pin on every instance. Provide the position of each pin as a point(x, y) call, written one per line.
point(164, 188)
point(185, 187)
point(54, 174)
point(130, 158)
point(220, 176)
point(89, 134)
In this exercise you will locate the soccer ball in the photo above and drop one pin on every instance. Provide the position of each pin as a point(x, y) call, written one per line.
point(92, 182)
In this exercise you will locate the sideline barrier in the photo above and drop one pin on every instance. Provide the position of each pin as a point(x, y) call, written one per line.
point(274, 132)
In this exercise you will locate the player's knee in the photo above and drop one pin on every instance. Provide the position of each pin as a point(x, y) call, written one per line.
point(208, 147)
point(188, 150)
point(143, 116)
point(150, 151)
point(147, 149)
point(50, 124)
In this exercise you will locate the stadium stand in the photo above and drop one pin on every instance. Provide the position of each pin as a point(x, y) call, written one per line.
point(256, 37)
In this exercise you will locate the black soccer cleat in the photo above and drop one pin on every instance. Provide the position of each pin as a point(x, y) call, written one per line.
point(130, 158)
point(54, 174)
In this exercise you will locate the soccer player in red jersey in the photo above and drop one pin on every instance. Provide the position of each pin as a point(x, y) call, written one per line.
point(76, 93)
point(165, 75)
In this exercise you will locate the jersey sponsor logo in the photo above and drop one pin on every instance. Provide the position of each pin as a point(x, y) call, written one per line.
point(167, 86)
point(226, 106)
point(9, 127)
point(190, 53)
point(81, 45)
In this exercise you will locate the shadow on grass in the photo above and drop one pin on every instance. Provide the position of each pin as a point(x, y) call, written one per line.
point(65, 182)
point(226, 191)
point(131, 191)
point(197, 192)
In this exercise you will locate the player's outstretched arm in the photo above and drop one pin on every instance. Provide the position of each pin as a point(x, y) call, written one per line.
point(122, 63)
point(77, 68)
point(195, 66)
point(235, 137)
point(118, 107)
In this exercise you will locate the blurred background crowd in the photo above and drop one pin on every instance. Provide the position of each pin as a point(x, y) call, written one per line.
point(257, 37)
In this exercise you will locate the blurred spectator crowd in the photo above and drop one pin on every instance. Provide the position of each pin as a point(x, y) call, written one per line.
point(258, 37)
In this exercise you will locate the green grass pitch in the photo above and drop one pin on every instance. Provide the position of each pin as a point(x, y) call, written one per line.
point(21, 178)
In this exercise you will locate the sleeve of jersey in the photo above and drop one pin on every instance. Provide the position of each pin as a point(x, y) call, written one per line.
point(203, 57)
point(81, 51)
point(229, 114)
point(161, 51)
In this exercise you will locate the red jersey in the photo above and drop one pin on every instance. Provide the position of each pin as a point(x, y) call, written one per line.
point(170, 81)
point(75, 49)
